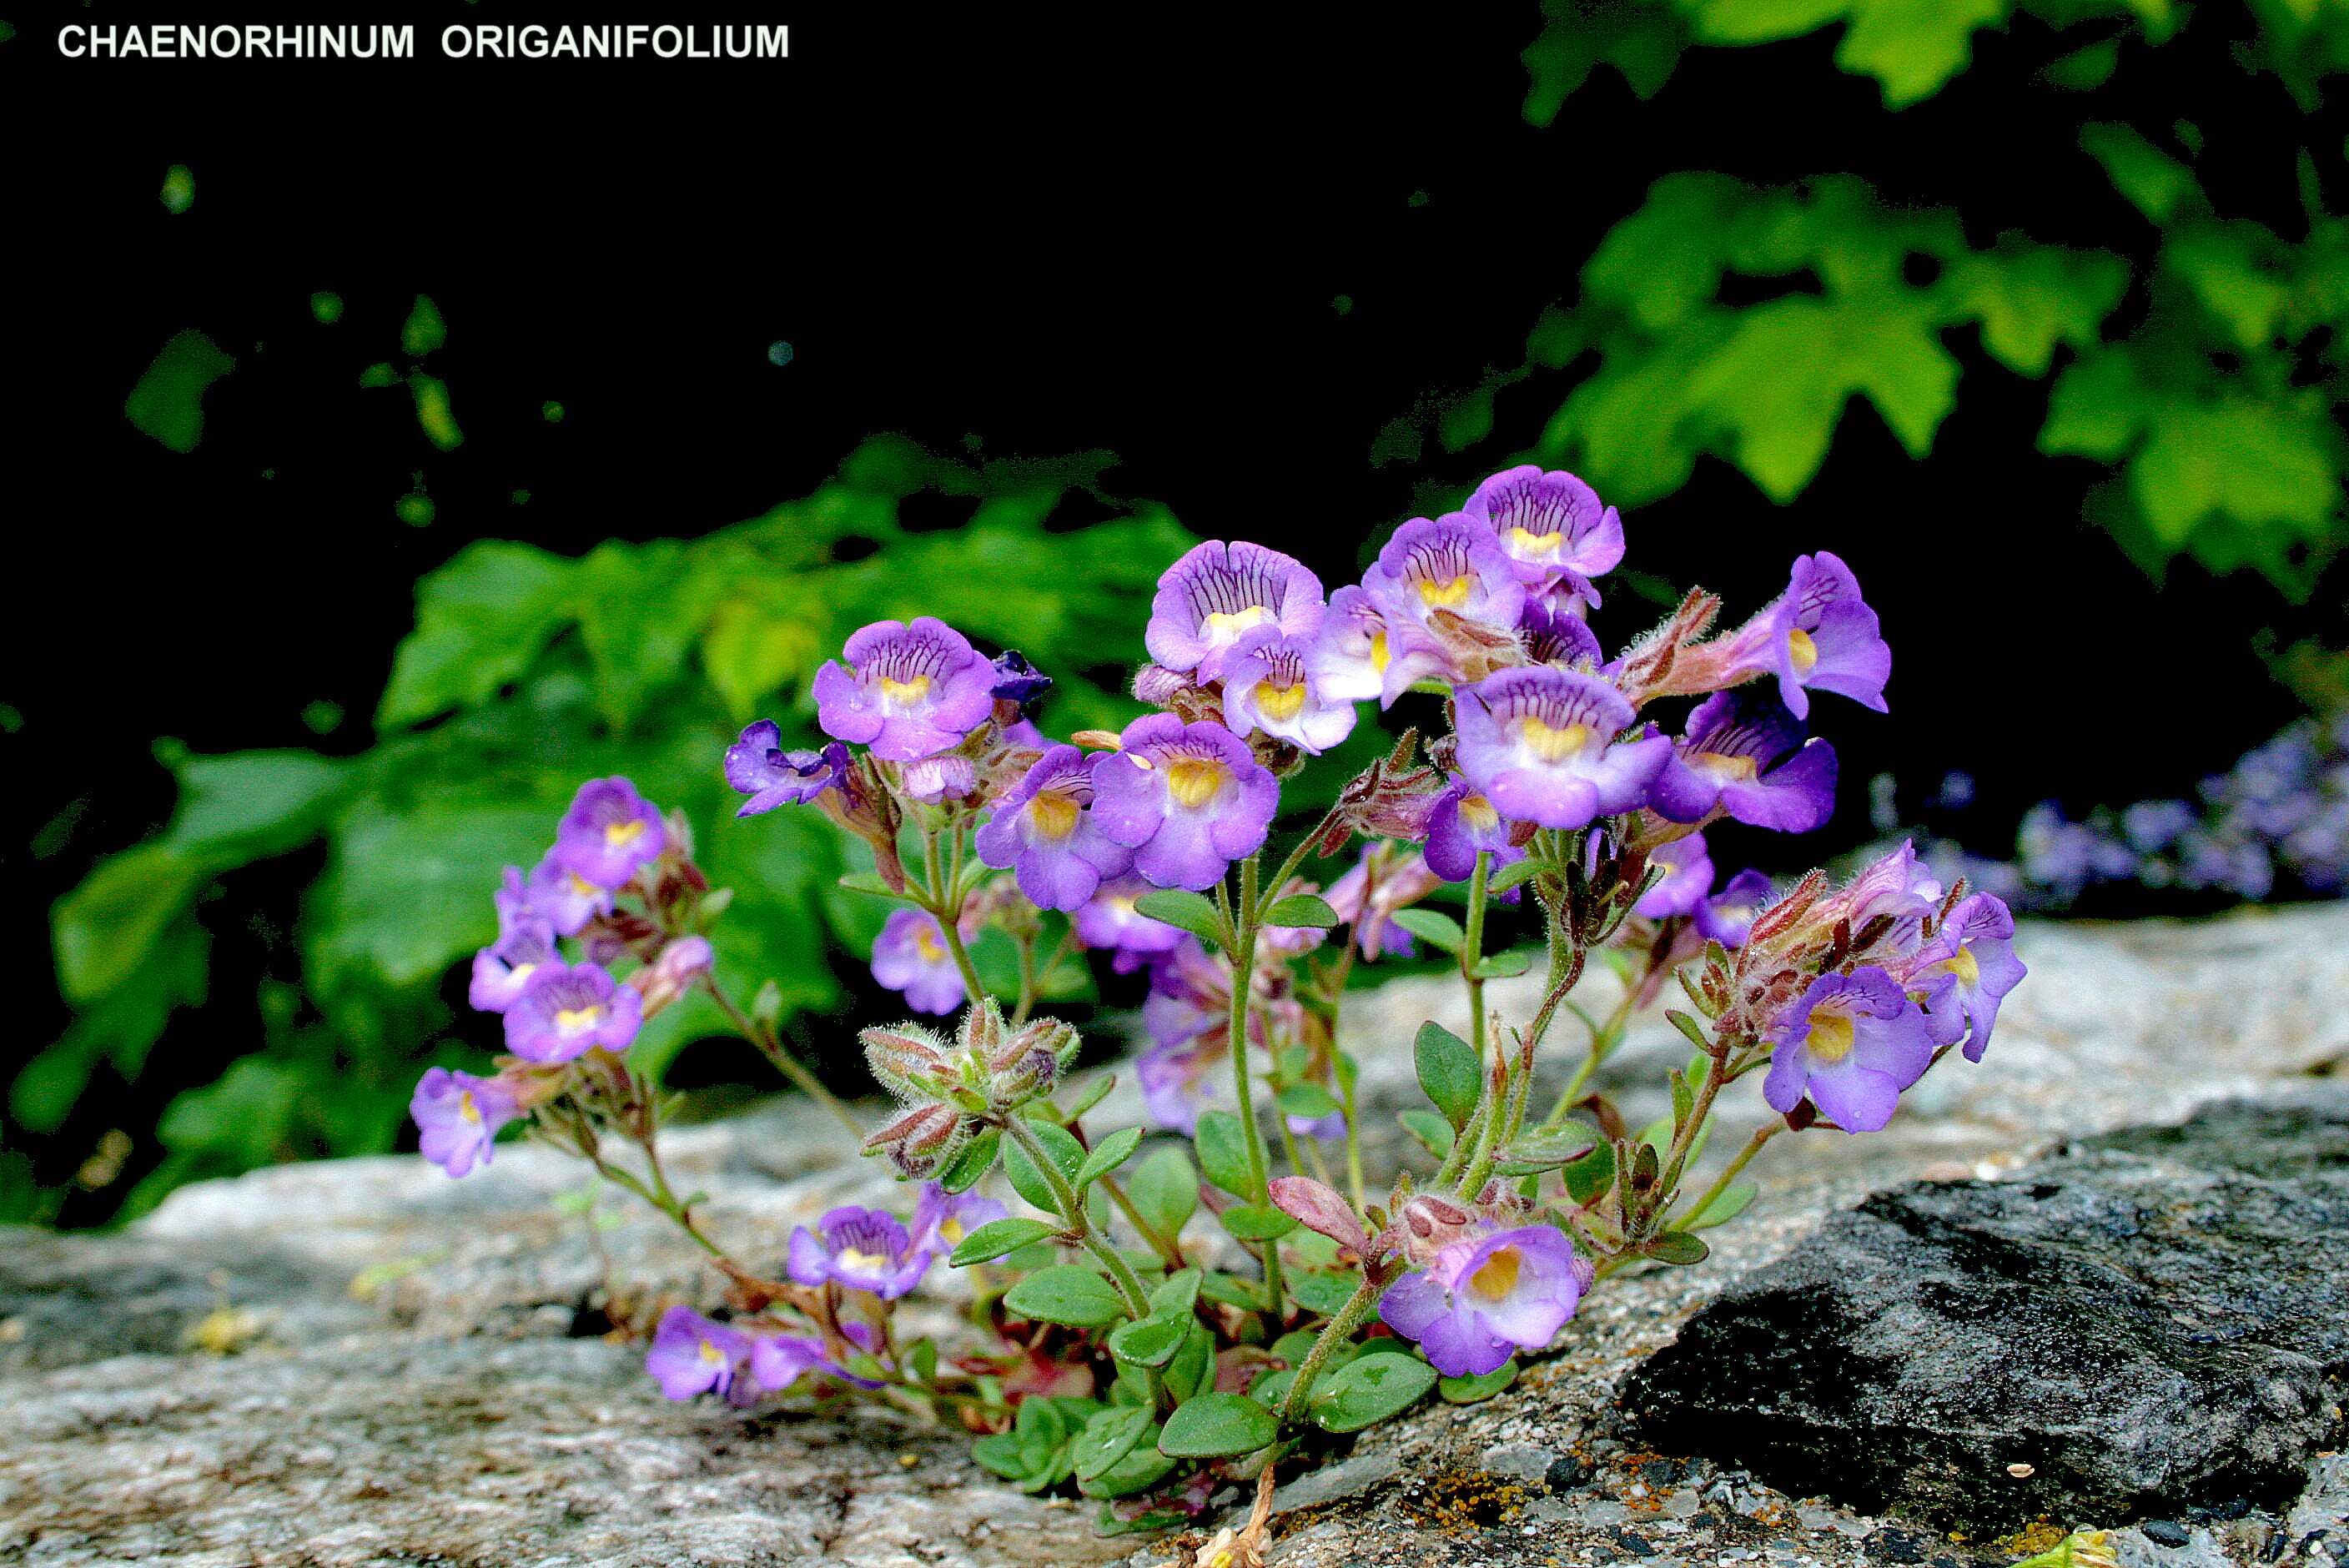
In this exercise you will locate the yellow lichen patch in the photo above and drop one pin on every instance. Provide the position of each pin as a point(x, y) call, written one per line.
point(2039, 1535)
point(224, 1331)
point(1458, 1499)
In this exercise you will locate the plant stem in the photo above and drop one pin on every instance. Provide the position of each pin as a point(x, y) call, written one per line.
point(763, 1036)
point(1243, 957)
point(1762, 1135)
point(1333, 1333)
point(1163, 1245)
point(1073, 1209)
point(1472, 951)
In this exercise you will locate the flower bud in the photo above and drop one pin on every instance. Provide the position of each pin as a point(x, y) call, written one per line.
point(679, 965)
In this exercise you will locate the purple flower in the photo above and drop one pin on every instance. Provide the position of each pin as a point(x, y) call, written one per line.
point(690, 1354)
point(1540, 743)
point(1975, 946)
point(1461, 823)
point(911, 955)
point(759, 767)
point(862, 1249)
point(1268, 685)
point(1187, 799)
point(1852, 1043)
point(1552, 527)
point(459, 1116)
point(1179, 1080)
point(525, 940)
point(672, 970)
point(1351, 656)
point(1016, 680)
point(942, 1219)
point(1744, 753)
point(609, 832)
point(1046, 833)
point(947, 777)
point(1481, 1299)
point(567, 900)
point(1821, 634)
point(1109, 921)
point(1728, 915)
point(1554, 634)
point(1441, 581)
point(1217, 591)
point(1327, 1128)
point(568, 1009)
point(779, 1360)
point(1688, 878)
point(905, 690)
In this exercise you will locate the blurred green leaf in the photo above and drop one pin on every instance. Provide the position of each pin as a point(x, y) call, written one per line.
point(167, 401)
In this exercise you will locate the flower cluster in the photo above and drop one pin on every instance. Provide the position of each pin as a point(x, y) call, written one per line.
point(1554, 778)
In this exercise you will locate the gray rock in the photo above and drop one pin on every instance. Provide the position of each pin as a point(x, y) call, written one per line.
point(2148, 1320)
point(423, 1371)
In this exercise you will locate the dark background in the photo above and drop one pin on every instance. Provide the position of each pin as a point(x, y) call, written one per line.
point(1017, 232)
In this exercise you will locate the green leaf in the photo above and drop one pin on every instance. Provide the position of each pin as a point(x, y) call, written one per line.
point(480, 621)
point(168, 402)
point(1258, 1222)
point(1432, 927)
point(1109, 1437)
point(1502, 965)
point(105, 929)
point(973, 1161)
point(1369, 1389)
point(1430, 1129)
point(1300, 910)
point(1449, 1072)
point(1326, 1294)
point(1731, 1203)
point(2155, 183)
point(1194, 1366)
point(1223, 1151)
point(1106, 1156)
point(1546, 1150)
point(870, 882)
point(1474, 1390)
point(1150, 1342)
point(1066, 1294)
point(998, 1237)
point(1165, 1189)
point(1309, 1100)
point(1590, 1175)
point(1194, 912)
point(1177, 1292)
point(245, 805)
point(1029, 1182)
point(1216, 1426)
point(1510, 875)
point(1690, 1027)
point(1676, 1247)
point(1141, 1470)
point(1002, 1454)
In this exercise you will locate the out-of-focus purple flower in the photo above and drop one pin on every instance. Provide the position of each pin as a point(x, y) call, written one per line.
point(567, 900)
point(758, 765)
point(779, 1360)
point(1556, 635)
point(1445, 588)
point(2153, 825)
point(609, 832)
point(1180, 1079)
point(1016, 680)
point(1109, 921)
point(1481, 1300)
point(1552, 527)
point(459, 1116)
point(1976, 947)
point(911, 957)
point(1218, 591)
point(1688, 878)
point(525, 940)
point(1818, 634)
point(862, 1249)
point(690, 1354)
point(1268, 685)
point(1044, 830)
point(1327, 1128)
point(947, 777)
point(1540, 744)
point(1366, 898)
point(1352, 655)
point(1745, 753)
point(568, 1009)
point(1852, 1043)
point(904, 689)
point(1461, 823)
point(942, 1219)
point(1728, 915)
point(1187, 799)
point(669, 974)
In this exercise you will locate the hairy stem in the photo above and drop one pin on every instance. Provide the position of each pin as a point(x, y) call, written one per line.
point(1072, 1211)
point(763, 1037)
point(1762, 1135)
point(1243, 956)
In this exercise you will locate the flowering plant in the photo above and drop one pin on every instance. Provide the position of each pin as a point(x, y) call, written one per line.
point(1117, 1345)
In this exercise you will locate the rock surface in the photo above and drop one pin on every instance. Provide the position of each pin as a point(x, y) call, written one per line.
point(364, 1362)
point(2146, 1322)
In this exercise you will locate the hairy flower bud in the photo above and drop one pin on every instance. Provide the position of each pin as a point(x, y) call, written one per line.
point(920, 1140)
point(1157, 686)
point(910, 1061)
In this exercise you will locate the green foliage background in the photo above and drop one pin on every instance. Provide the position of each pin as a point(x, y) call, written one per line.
point(527, 672)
